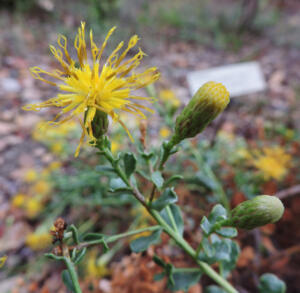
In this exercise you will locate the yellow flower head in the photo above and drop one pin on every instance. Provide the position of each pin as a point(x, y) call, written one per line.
point(38, 241)
point(42, 187)
point(96, 268)
point(164, 132)
point(30, 175)
point(87, 88)
point(2, 260)
point(272, 162)
point(33, 207)
point(18, 200)
point(169, 97)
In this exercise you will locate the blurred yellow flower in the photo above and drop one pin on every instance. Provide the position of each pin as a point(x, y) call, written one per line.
point(54, 166)
point(273, 162)
point(38, 241)
point(164, 132)
point(42, 187)
point(242, 153)
point(2, 260)
point(94, 268)
point(143, 220)
point(115, 146)
point(33, 207)
point(18, 200)
point(31, 175)
point(86, 89)
point(169, 97)
point(57, 148)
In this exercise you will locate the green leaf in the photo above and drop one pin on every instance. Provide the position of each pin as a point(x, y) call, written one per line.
point(217, 214)
point(169, 196)
point(206, 226)
point(117, 184)
point(227, 232)
point(183, 280)
point(157, 179)
point(172, 179)
point(214, 289)
point(80, 255)
point(207, 247)
point(269, 283)
point(129, 163)
point(228, 266)
point(65, 275)
point(176, 212)
point(93, 236)
point(223, 250)
point(142, 243)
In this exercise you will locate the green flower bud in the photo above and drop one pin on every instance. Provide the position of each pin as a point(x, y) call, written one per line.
point(209, 101)
point(259, 211)
point(99, 124)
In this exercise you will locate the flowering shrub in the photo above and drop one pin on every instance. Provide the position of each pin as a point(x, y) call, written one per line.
point(90, 95)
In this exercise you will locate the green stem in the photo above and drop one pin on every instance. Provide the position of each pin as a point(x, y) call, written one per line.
point(170, 215)
point(174, 235)
point(73, 274)
point(190, 251)
point(130, 233)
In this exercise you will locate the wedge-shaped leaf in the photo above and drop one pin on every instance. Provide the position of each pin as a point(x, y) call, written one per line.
point(228, 265)
point(217, 214)
point(117, 184)
point(183, 280)
point(129, 163)
point(65, 275)
point(142, 243)
point(93, 236)
point(169, 196)
point(176, 212)
point(227, 232)
point(206, 226)
point(269, 283)
point(172, 179)
point(208, 248)
point(157, 179)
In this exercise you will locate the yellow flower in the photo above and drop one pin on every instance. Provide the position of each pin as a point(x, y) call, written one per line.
point(272, 162)
point(33, 207)
point(38, 241)
point(18, 200)
point(42, 187)
point(57, 148)
point(169, 97)
point(2, 260)
point(54, 166)
point(164, 132)
point(94, 268)
point(30, 175)
point(115, 146)
point(86, 89)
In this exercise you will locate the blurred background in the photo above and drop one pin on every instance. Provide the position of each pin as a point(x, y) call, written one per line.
point(253, 148)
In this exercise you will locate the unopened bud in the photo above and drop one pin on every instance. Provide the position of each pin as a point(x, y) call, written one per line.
point(99, 124)
point(256, 212)
point(208, 102)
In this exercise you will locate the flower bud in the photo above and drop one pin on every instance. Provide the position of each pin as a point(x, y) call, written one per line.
point(99, 124)
point(208, 102)
point(259, 211)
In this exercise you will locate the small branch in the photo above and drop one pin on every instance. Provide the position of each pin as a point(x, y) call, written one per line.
point(73, 274)
point(294, 190)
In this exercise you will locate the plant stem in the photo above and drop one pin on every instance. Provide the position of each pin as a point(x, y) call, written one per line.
point(172, 233)
point(73, 274)
point(190, 251)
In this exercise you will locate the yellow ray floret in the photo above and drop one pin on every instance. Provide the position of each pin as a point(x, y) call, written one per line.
point(86, 88)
